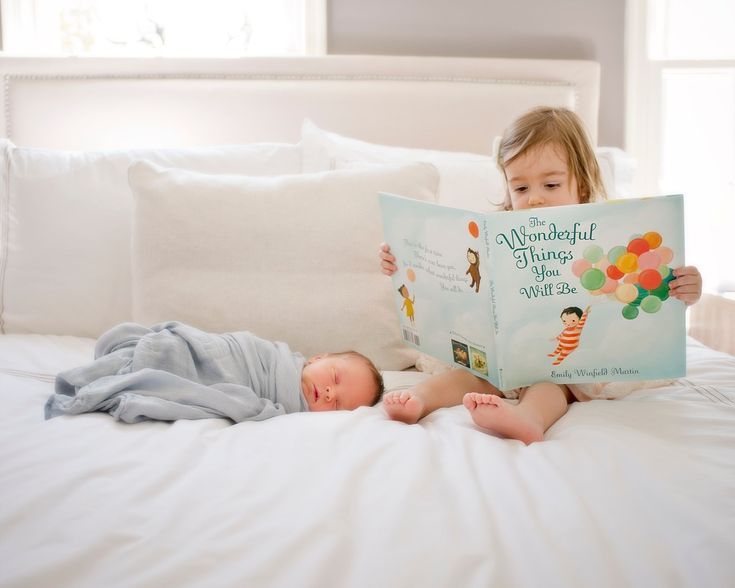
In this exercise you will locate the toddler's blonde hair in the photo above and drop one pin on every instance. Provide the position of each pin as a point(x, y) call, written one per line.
point(563, 129)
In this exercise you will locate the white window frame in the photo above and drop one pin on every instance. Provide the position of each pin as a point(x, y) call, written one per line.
point(644, 106)
point(18, 21)
point(643, 96)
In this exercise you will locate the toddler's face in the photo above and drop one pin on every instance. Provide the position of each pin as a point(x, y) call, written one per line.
point(540, 177)
point(337, 383)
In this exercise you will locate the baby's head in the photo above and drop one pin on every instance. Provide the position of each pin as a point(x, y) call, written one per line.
point(340, 381)
point(571, 316)
point(555, 132)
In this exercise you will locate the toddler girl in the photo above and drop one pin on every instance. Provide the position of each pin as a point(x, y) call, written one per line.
point(547, 160)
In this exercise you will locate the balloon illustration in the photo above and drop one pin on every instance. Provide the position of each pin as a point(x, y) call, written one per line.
point(580, 266)
point(654, 239)
point(593, 253)
point(636, 274)
point(627, 263)
point(593, 279)
point(650, 279)
point(473, 229)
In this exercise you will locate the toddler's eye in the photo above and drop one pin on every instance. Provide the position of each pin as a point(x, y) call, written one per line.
point(520, 189)
point(552, 185)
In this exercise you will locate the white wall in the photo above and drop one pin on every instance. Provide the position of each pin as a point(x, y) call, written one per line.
point(554, 29)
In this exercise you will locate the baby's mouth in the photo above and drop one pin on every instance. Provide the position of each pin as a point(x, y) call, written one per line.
point(316, 394)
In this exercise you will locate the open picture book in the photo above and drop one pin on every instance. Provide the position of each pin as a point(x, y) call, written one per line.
point(568, 294)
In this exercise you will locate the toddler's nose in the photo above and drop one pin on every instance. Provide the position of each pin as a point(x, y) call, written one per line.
point(535, 199)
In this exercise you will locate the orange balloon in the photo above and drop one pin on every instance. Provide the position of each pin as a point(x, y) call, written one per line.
point(411, 275)
point(473, 229)
point(654, 239)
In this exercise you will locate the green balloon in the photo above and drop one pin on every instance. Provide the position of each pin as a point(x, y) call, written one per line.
point(593, 253)
point(662, 292)
point(630, 312)
point(593, 279)
point(651, 304)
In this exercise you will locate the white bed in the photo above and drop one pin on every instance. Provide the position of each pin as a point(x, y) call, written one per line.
point(633, 492)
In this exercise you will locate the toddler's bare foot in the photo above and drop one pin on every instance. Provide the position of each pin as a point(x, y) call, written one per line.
point(404, 406)
point(495, 414)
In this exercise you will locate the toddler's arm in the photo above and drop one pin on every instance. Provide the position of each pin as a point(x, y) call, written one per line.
point(687, 286)
point(387, 260)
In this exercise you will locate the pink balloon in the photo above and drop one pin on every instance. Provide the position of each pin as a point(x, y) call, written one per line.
point(580, 266)
point(666, 255)
point(649, 260)
point(631, 278)
point(610, 286)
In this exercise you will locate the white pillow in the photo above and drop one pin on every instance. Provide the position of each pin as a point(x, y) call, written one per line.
point(467, 180)
point(617, 169)
point(65, 229)
point(291, 258)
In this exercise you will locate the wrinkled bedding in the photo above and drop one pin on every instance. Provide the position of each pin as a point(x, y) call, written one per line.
point(632, 492)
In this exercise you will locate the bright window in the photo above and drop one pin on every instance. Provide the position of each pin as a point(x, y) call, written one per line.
point(173, 28)
point(681, 120)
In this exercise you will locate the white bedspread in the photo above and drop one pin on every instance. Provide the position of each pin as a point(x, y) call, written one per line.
point(634, 492)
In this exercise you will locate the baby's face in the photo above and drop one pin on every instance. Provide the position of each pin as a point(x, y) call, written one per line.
point(539, 178)
point(337, 382)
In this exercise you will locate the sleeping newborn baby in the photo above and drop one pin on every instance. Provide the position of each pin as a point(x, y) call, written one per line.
point(174, 371)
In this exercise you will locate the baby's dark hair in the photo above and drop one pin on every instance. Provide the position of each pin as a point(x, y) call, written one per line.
point(572, 310)
point(374, 372)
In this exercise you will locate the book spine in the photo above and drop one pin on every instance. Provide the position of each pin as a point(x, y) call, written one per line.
point(494, 363)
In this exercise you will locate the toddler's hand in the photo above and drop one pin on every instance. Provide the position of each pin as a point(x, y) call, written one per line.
point(687, 286)
point(387, 261)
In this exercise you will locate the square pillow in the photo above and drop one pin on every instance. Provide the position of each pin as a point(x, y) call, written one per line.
point(467, 180)
point(291, 258)
point(65, 229)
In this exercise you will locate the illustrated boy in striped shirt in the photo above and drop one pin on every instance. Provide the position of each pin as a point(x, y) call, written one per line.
point(573, 319)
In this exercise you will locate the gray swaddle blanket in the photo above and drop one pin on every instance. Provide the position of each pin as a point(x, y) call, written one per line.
point(174, 371)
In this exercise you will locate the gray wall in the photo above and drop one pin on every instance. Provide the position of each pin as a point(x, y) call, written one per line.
point(553, 29)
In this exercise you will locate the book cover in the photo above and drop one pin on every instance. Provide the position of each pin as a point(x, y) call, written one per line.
point(568, 294)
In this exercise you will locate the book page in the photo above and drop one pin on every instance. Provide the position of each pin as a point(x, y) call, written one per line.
point(582, 292)
point(441, 288)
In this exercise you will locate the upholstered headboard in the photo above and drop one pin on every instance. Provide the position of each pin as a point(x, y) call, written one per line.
point(441, 103)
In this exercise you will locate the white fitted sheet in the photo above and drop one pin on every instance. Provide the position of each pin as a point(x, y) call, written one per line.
point(632, 492)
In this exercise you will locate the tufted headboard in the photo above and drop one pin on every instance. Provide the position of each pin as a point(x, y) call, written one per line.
point(440, 103)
